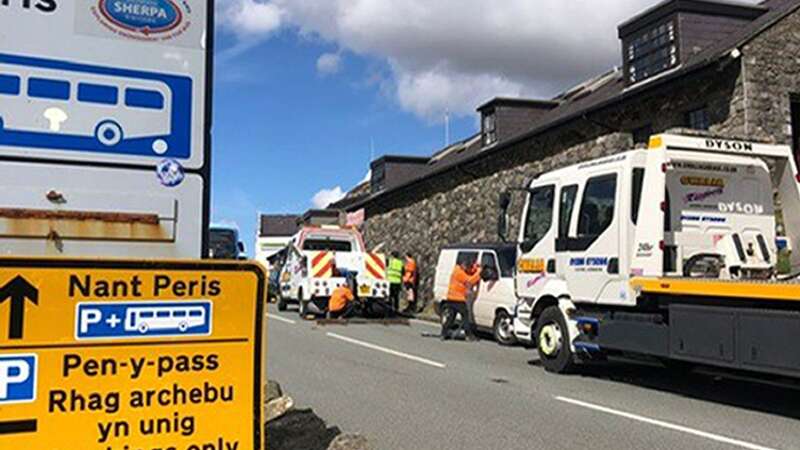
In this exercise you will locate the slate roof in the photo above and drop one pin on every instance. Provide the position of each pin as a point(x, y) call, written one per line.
point(272, 225)
point(599, 92)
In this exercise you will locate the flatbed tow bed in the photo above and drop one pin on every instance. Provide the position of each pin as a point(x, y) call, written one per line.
point(769, 290)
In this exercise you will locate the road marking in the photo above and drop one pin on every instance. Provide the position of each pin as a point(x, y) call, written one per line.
point(387, 350)
point(282, 319)
point(667, 425)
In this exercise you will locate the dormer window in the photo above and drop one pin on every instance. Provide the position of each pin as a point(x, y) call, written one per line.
point(651, 51)
point(378, 180)
point(489, 129)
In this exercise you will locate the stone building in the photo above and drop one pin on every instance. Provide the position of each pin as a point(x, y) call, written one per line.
point(731, 69)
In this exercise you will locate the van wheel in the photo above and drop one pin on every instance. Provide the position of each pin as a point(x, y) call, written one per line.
point(552, 339)
point(504, 329)
point(281, 304)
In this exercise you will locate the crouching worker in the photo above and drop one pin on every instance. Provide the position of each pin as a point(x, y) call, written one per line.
point(342, 304)
point(466, 275)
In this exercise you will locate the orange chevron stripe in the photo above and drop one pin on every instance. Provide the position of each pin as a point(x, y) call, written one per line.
point(378, 260)
point(318, 259)
point(325, 272)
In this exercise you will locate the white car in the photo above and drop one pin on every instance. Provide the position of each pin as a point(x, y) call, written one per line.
point(495, 304)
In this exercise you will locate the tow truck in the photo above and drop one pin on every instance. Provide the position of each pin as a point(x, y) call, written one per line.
point(318, 257)
point(667, 252)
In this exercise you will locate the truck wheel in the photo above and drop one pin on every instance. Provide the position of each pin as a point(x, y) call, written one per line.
point(552, 339)
point(302, 309)
point(504, 329)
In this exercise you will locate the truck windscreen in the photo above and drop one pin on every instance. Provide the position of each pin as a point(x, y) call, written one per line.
point(222, 244)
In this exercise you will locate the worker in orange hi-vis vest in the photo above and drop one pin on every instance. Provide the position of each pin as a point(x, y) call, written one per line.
point(342, 302)
point(465, 278)
point(410, 280)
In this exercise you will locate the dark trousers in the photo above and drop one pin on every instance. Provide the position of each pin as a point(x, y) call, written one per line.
point(394, 295)
point(451, 309)
point(411, 292)
point(346, 313)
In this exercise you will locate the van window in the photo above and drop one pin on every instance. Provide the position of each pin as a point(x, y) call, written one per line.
point(636, 194)
point(488, 261)
point(566, 207)
point(597, 207)
point(9, 84)
point(540, 213)
point(467, 259)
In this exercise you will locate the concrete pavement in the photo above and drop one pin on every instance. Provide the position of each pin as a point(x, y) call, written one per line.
point(404, 390)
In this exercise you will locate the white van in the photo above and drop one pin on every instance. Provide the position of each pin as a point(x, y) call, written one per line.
point(496, 300)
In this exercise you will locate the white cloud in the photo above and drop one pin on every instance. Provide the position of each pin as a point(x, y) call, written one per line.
point(329, 64)
point(251, 21)
point(455, 54)
point(325, 197)
point(249, 17)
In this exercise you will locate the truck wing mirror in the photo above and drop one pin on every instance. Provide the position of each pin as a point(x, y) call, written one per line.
point(502, 218)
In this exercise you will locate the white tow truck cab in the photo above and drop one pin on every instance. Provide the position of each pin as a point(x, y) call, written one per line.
point(668, 252)
point(317, 258)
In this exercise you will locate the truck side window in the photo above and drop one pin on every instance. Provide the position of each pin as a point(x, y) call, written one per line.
point(597, 207)
point(540, 213)
point(636, 194)
point(567, 206)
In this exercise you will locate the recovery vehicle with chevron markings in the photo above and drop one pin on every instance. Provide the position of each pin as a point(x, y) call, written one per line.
point(318, 258)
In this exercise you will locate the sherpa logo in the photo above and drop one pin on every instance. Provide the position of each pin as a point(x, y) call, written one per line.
point(142, 16)
point(742, 208)
point(736, 146)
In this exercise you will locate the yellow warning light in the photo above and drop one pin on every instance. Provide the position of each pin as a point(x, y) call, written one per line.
point(656, 142)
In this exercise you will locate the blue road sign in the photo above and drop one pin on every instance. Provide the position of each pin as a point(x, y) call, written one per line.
point(142, 319)
point(17, 379)
point(60, 105)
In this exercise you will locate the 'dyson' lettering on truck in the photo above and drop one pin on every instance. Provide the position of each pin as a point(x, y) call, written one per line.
point(719, 144)
point(742, 208)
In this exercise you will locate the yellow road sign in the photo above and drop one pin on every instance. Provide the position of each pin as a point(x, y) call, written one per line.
point(115, 355)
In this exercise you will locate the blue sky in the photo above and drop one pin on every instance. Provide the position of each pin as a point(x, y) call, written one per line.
point(303, 86)
point(283, 131)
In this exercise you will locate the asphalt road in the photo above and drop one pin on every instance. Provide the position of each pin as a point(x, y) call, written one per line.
point(404, 390)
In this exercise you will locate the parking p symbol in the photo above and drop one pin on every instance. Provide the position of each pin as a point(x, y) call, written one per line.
point(17, 378)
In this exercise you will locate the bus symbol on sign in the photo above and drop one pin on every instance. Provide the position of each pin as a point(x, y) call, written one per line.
point(17, 379)
point(61, 105)
point(142, 319)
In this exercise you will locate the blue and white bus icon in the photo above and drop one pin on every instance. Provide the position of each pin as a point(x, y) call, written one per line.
point(61, 105)
point(142, 319)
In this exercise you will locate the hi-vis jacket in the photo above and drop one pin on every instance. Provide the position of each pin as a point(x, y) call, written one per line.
point(339, 299)
point(460, 282)
point(395, 271)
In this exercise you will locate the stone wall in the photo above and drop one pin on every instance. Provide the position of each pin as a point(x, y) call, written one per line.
point(772, 76)
point(461, 205)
